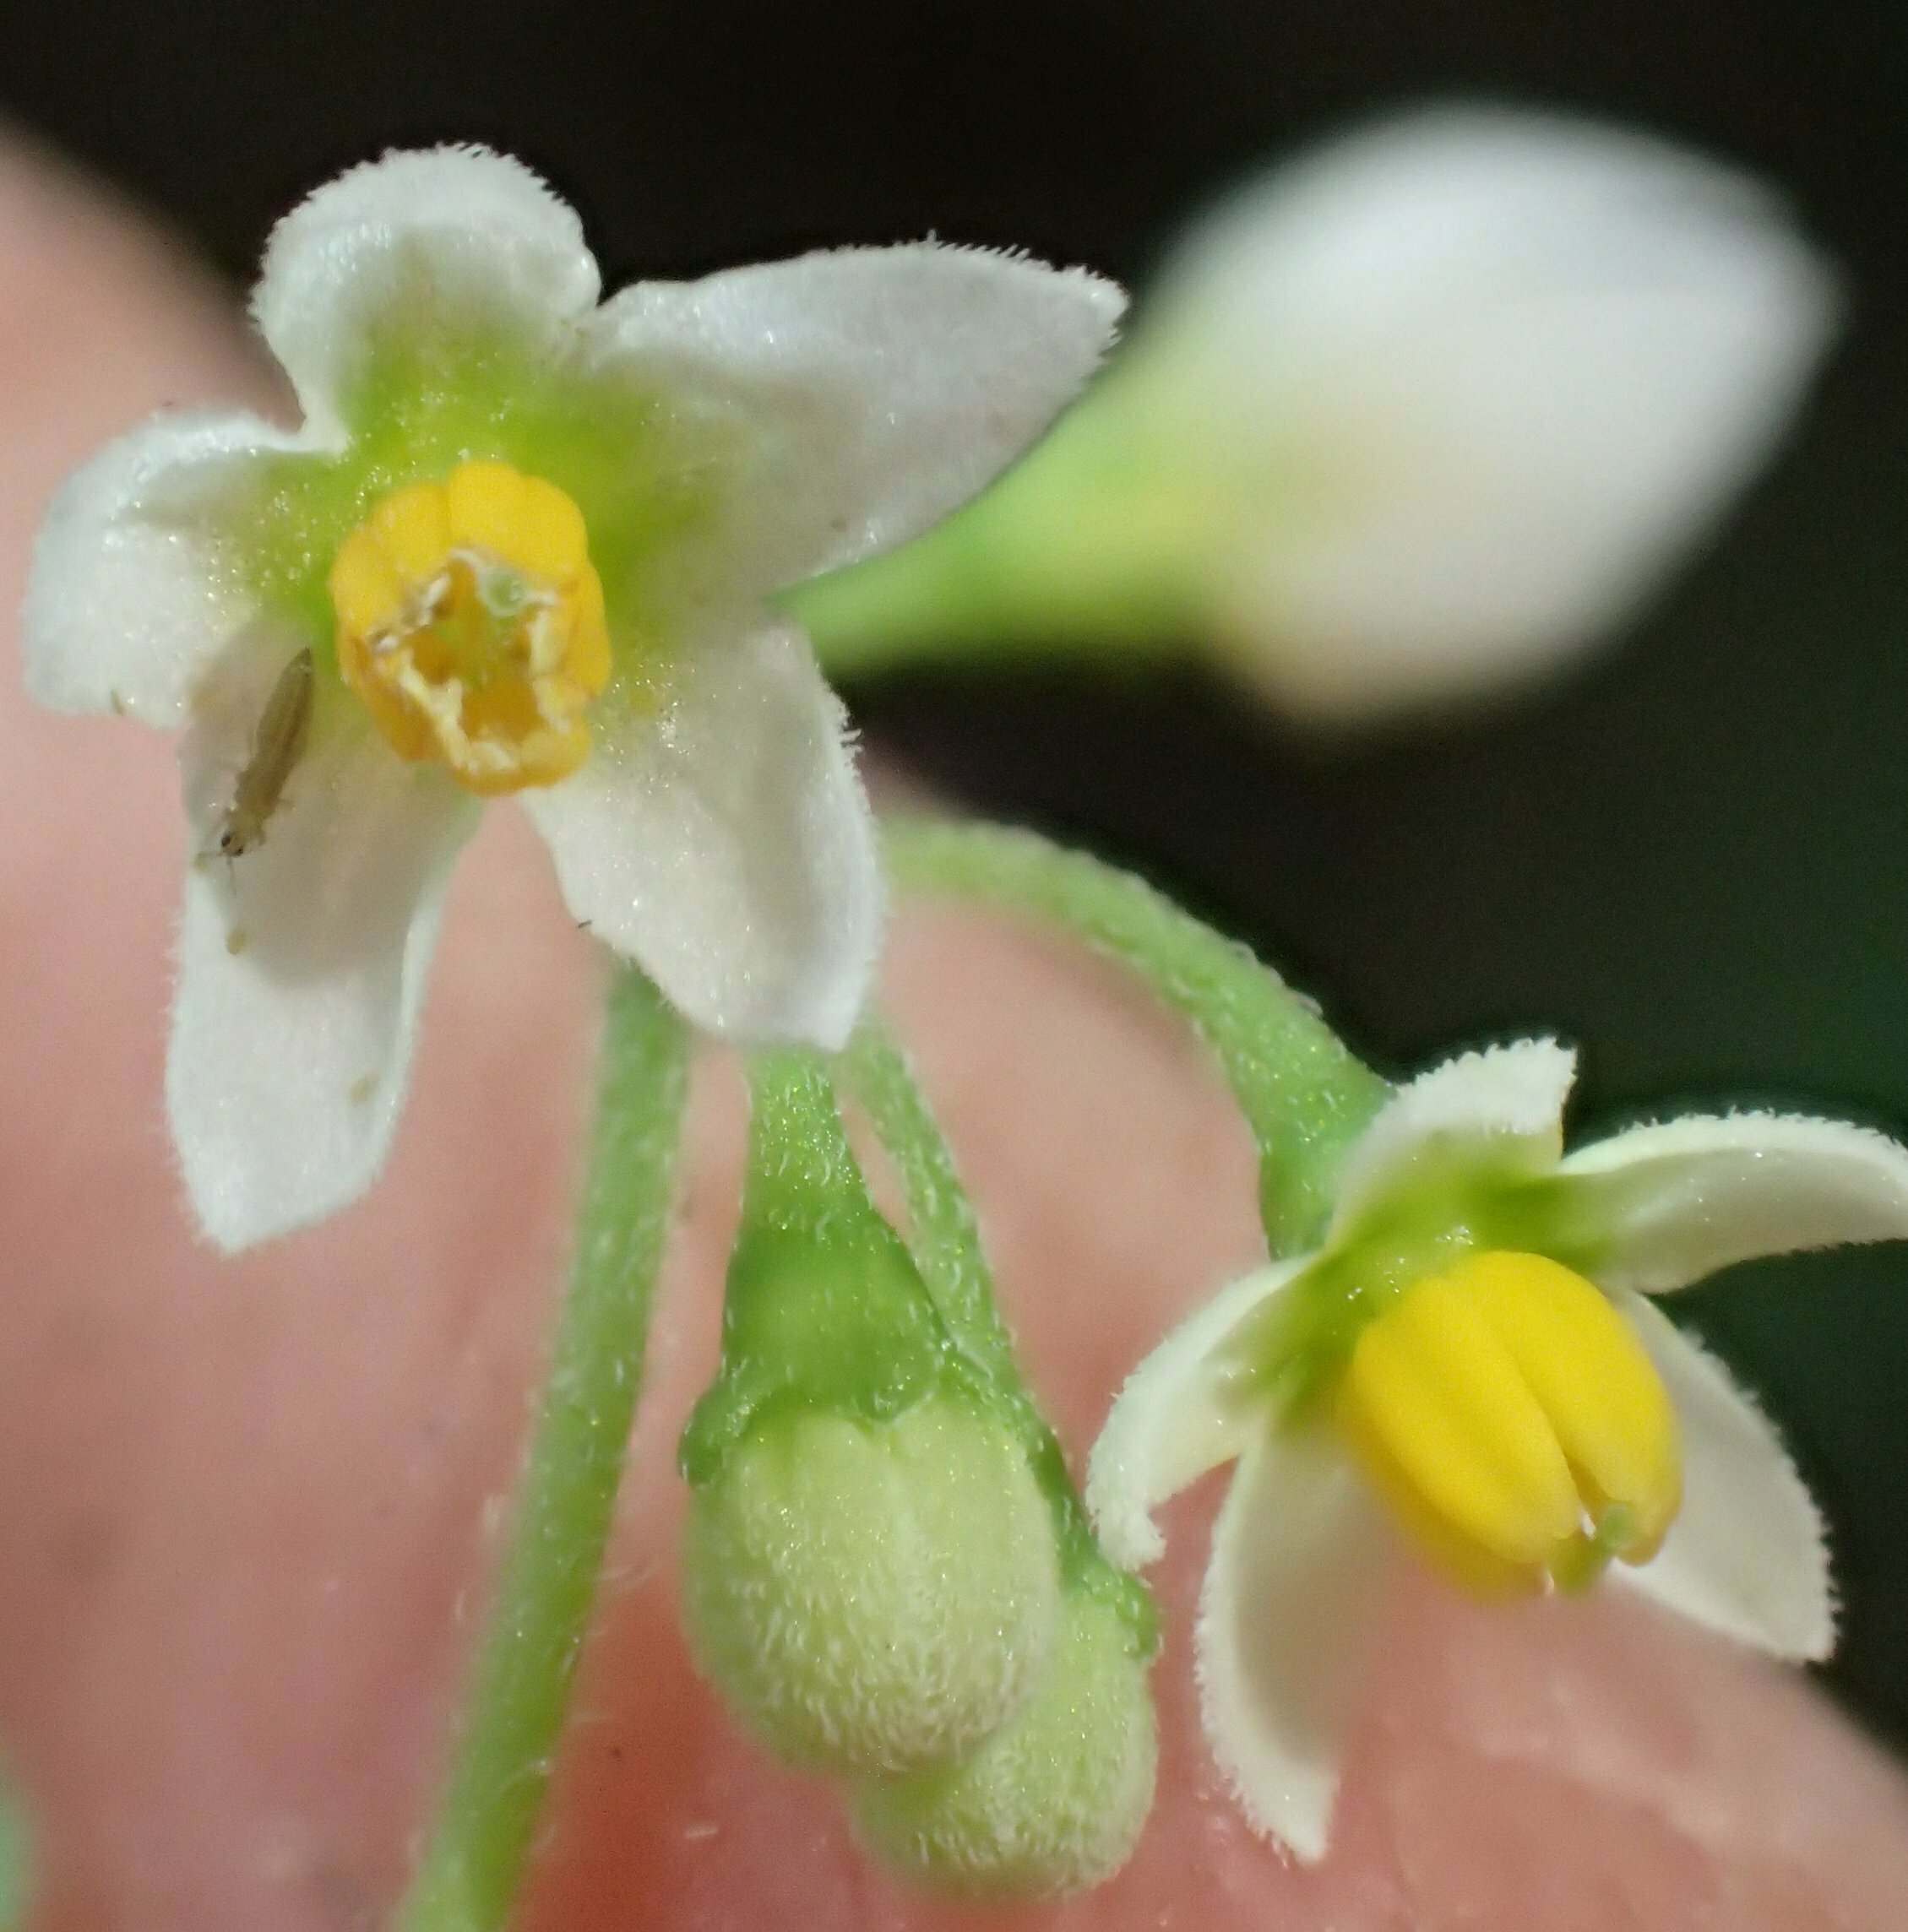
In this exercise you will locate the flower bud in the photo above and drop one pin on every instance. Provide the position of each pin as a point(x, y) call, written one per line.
point(1053, 1803)
point(873, 1595)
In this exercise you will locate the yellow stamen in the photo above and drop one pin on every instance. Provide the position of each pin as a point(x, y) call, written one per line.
point(470, 623)
point(1515, 1424)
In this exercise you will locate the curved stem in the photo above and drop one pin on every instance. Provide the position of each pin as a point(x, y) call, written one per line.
point(944, 1239)
point(944, 1235)
point(487, 1819)
point(1305, 1097)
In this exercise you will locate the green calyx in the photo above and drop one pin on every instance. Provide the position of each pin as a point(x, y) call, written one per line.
point(825, 1312)
point(886, 1568)
point(428, 399)
point(1304, 1339)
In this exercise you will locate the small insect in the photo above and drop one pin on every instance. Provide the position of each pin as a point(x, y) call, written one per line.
point(277, 746)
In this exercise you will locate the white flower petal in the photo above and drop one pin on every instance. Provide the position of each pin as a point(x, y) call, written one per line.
point(445, 239)
point(1501, 1110)
point(1746, 1555)
point(129, 597)
point(878, 389)
point(1503, 370)
point(301, 968)
point(1660, 1207)
point(1185, 1410)
point(1301, 1557)
point(726, 844)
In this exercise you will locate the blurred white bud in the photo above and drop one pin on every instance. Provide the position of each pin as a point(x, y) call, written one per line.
point(1420, 415)
point(1463, 388)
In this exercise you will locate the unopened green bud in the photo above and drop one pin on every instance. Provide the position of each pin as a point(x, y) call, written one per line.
point(1053, 1802)
point(873, 1595)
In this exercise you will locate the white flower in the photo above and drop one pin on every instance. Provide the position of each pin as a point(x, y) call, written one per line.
point(1416, 416)
point(1443, 1365)
point(524, 538)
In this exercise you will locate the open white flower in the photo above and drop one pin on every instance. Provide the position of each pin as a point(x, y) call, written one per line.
point(1416, 417)
point(519, 544)
point(1443, 1365)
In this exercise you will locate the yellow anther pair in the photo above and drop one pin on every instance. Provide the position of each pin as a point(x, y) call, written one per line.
point(1515, 1424)
point(470, 623)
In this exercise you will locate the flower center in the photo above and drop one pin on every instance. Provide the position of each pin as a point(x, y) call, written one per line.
point(1514, 1422)
point(471, 623)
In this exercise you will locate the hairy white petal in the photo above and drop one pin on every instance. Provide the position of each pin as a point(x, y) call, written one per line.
point(1500, 1109)
point(1746, 1555)
point(725, 845)
point(132, 592)
point(875, 389)
point(301, 968)
point(1188, 1407)
point(1660, 1207)
point(1497, 371)
point(443, 241)
point(1300, 1562)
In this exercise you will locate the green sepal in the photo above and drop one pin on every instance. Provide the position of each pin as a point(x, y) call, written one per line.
point(869, 1573)
point(1096, 543)
point(1304, 1339)
point(825, 1310)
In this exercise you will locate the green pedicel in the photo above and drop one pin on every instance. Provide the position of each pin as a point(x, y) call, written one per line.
point(1304, 1097)
point(467, 1880)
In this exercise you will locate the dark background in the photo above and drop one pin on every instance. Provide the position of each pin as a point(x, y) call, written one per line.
point(1690, 857)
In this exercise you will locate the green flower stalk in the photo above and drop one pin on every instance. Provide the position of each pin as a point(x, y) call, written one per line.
point(1304, 1095)
point(17, 1877)
point(487, 1820)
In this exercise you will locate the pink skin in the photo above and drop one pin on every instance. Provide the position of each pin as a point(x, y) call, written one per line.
point(250, 1505)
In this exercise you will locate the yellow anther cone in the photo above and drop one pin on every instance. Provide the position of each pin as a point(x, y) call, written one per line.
point(1596, 1383)
point(470, 623)
point(1516, 1426)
